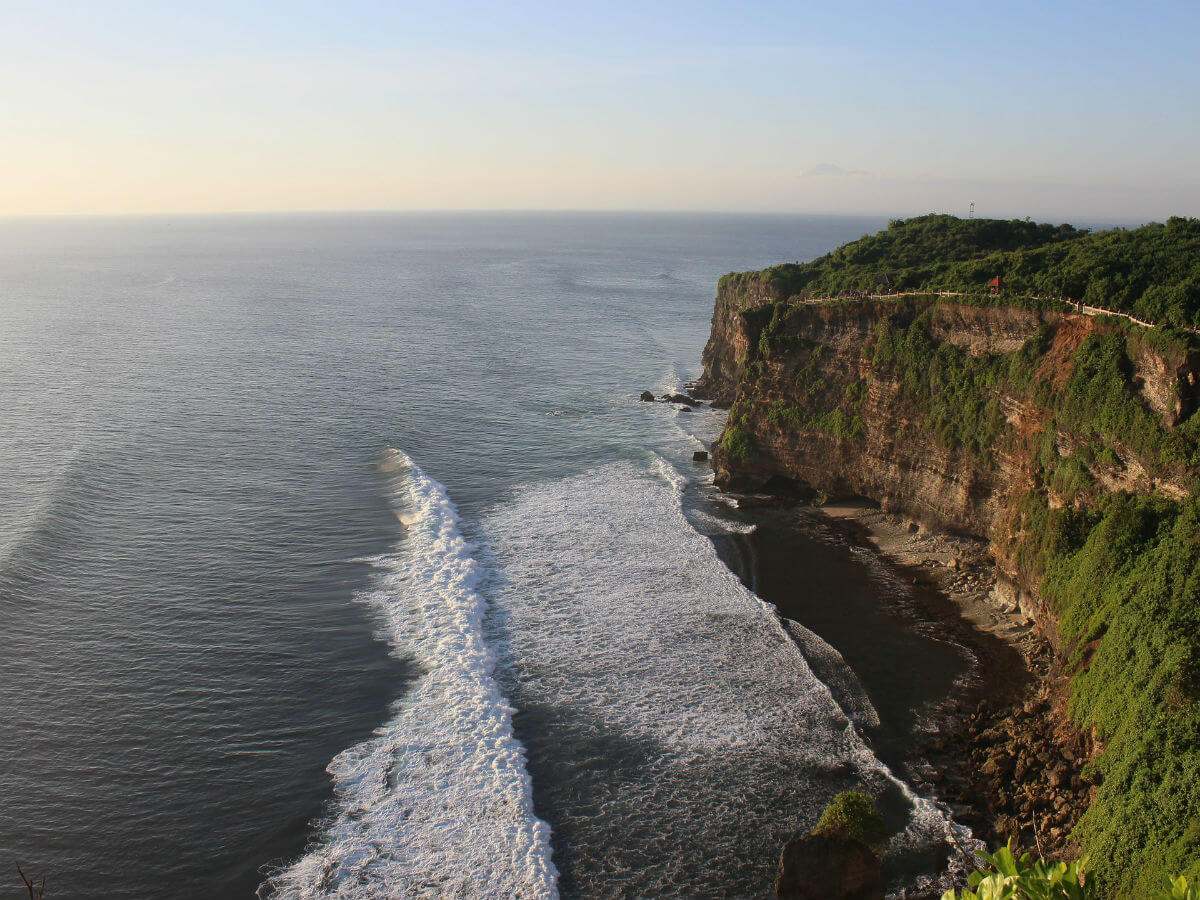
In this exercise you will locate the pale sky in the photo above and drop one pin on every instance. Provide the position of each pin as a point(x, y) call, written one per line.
point(1054, 110)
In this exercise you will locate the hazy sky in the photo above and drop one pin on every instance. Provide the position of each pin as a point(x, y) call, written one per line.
point(1050, 109)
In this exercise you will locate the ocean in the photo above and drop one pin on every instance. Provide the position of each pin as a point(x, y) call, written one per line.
point(338, 558)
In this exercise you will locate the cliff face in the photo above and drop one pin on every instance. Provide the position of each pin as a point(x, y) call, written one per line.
point(731, 339)
point(1071, 444)
point(816, 402)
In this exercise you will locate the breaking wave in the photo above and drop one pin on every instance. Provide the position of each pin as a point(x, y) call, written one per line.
point(437, 803)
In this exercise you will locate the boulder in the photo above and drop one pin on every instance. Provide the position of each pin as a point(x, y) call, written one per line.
point(681, 398)
point(828, 867)
point(700, 456)
point(646, 397)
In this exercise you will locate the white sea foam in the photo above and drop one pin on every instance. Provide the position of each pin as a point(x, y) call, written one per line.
point(438, 802)
point(626, 609)
point(703, 732)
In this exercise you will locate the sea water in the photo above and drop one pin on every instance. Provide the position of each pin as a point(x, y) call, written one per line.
point(338, 558)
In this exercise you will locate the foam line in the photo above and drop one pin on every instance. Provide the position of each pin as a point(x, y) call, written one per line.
point(616, 619)
point(437, 803)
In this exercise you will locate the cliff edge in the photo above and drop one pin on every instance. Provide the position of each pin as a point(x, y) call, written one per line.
point(1069, 442)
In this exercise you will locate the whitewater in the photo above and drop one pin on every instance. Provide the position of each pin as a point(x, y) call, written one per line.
point(250, 656)
point(673, 714)
point(438, 802)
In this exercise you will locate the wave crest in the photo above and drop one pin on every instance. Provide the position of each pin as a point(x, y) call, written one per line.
point(438, 802)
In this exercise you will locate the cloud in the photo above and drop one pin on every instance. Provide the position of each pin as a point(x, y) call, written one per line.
point(829, 169)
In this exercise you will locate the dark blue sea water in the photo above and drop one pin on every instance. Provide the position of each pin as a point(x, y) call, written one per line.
point(337, 558)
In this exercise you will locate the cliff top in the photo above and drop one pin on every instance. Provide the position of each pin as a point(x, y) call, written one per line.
point(1150, 273)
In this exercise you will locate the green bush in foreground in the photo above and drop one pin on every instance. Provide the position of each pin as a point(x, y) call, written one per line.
point(1026, 878)
point(851, 814)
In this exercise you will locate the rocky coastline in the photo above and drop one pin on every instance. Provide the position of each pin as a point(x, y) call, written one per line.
point(1063, 446)
point(1004, 755)
point(999, 751)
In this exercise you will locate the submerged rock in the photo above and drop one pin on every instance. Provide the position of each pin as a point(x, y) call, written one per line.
point(828, 867)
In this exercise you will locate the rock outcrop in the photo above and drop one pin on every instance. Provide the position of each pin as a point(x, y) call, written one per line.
point(828, 867)
point(1070, 445)
point(811, 408)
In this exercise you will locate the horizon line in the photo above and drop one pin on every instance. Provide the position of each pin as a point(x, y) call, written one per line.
point(517, 210)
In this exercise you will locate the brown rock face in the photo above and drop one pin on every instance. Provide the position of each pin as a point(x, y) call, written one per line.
point(1168, 384)
point(896, 462)
point(828, 867)
point(787, 371)
point(728, 344)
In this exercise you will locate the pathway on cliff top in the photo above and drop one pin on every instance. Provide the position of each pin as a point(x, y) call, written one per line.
point(1080, 308)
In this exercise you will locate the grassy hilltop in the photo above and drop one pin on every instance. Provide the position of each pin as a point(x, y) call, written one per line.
point(1152, 272)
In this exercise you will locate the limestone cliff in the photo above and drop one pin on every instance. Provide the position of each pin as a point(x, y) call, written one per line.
point(817, 401)
point(1065, 437)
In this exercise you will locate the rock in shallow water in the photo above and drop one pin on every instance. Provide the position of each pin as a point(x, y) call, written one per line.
point(681, 398)
point(828, 867)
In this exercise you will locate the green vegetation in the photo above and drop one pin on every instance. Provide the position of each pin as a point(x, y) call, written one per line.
point(959, 395)
point(1122, 572)
point(851, 814)
point(736, 440)
point(836, 421)
point(1097, 403)
point(1152, 272)
point(1027, 878)
point(1180, 888)
point(957, 392)
point(1124, 579)
point(1070, 477)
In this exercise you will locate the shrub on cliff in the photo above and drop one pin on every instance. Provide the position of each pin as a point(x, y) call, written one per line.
point(1098, 401)
point(956, 391)
point(851, 814)
point(1026, 878)
point(736, 442)
point(1125, 581)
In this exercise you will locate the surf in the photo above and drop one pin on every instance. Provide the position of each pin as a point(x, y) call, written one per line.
point(678, 735)
point(438, 802)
